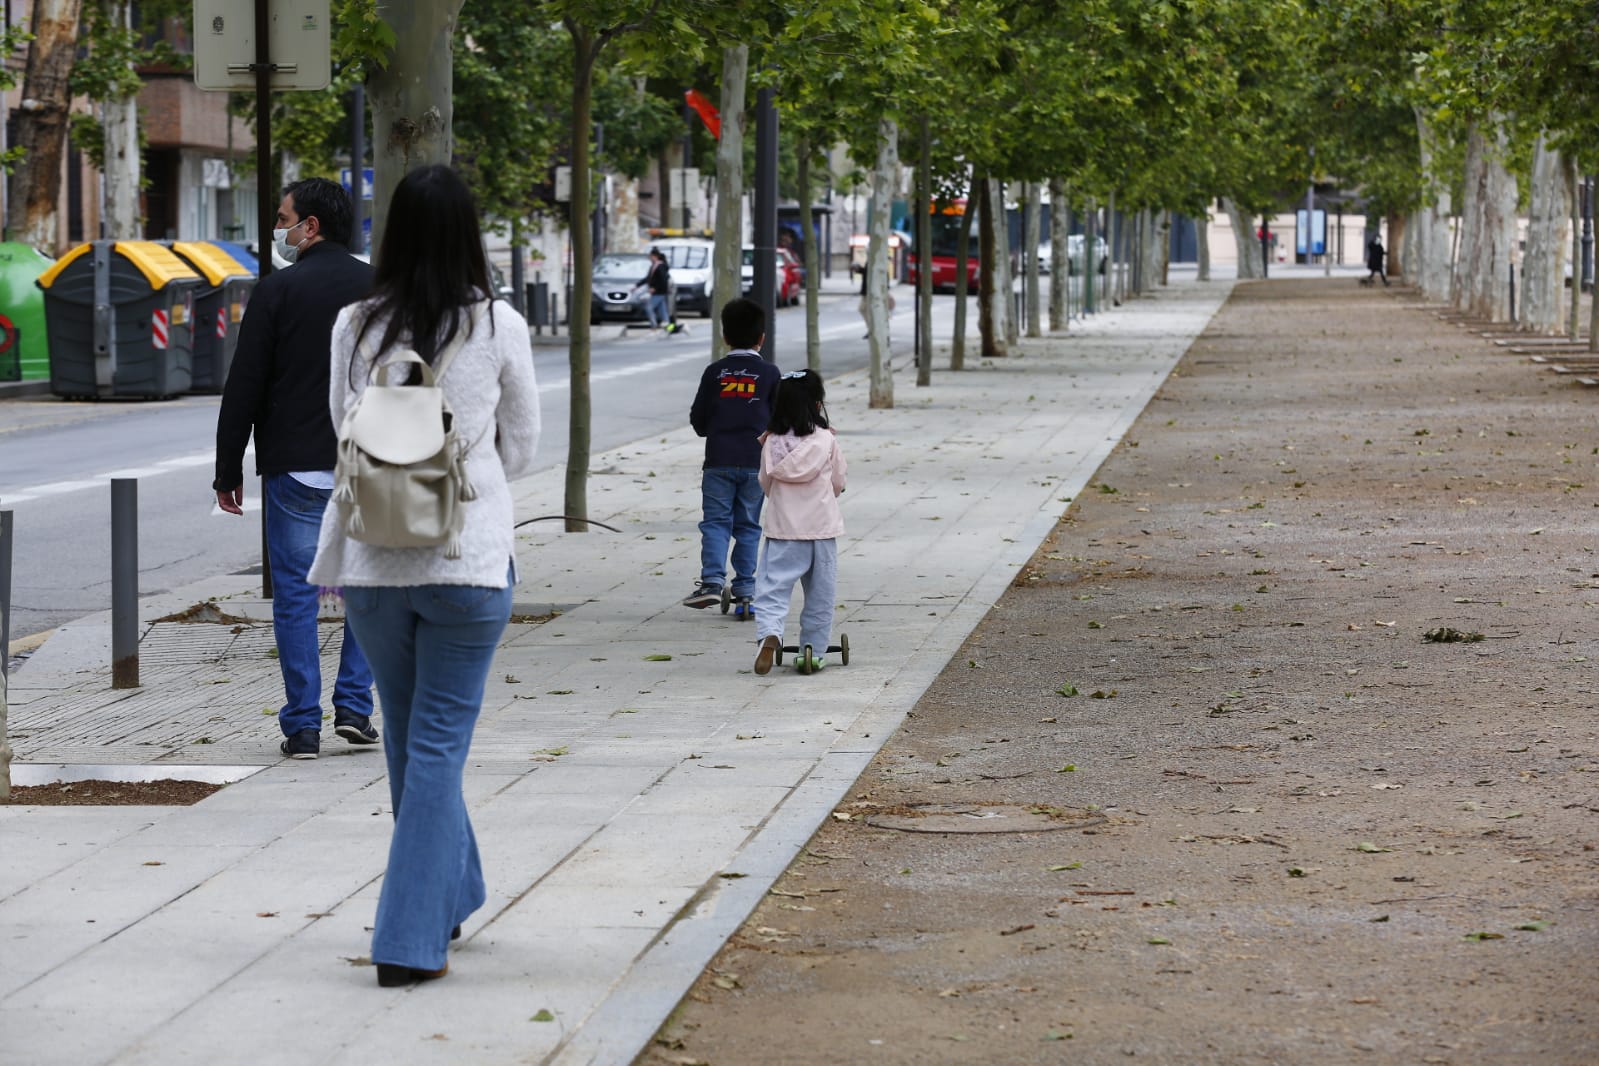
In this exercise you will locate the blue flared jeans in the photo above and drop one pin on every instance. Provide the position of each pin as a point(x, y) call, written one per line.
point(293, 520)
point(431, 647)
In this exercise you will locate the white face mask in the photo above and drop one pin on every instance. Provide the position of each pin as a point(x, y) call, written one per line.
point(280, 240)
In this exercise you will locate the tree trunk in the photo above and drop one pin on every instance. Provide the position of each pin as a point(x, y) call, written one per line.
point(1004, 283)
point(41, 124)
point(1430, 266)
point(1574, 183)
point(1245, 242)
point(1399, 245)
point(813, 268)
point(580, 399)
point(1488, 267)
point(963, 249)
point(924, 255)
point(412, 109)
point(990, 343)
point(1461, 282)
point(1030, 240)
point(1202, 244)
point(1543, 268)
point(885, 178)
point(1093, 280)
point(1060, 267)
point(729, 250)
point(119, 124)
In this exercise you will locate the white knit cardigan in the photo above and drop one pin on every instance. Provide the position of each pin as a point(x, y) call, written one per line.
point(491, 390)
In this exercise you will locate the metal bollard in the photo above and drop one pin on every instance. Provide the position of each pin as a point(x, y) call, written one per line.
point(5, 593)
point(124, 582)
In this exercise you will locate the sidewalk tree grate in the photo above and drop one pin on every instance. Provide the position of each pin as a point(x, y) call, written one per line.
point(982, 818)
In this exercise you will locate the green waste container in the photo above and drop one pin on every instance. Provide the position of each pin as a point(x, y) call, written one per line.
point(218, 309)
point(24, 349)
point(120, 317)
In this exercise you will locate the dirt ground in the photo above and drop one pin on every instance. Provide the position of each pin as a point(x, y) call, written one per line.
point(165, 792)
point(1327, 838)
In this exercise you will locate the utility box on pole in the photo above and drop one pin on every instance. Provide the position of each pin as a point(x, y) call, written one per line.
point(224, 45)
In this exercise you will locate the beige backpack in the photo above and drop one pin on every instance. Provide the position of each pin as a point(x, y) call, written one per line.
point(400, 479)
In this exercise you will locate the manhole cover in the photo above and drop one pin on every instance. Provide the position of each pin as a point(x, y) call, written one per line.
point(982, 818)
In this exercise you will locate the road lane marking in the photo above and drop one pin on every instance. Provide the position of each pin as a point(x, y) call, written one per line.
point(157, 469)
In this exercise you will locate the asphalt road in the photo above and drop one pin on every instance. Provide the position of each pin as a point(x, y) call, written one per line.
point(58, 458)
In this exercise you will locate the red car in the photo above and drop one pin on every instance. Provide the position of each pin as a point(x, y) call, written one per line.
point(793, 274)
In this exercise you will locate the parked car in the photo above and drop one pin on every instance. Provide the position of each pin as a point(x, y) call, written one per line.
point(794, 271)
point(690, 261)
point(617, 295)
point(788, 283)
point(1074, 251)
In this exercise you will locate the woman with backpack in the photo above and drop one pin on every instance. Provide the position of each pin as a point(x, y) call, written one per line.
point(429, 616)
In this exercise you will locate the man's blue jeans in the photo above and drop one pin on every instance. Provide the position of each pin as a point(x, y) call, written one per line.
point(293, 519)
point(731, 499)
point(431, 647)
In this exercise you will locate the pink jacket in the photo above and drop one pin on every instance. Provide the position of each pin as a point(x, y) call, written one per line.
point(802, 477)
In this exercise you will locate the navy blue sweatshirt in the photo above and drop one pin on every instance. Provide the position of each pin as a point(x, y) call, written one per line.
point(733, 408)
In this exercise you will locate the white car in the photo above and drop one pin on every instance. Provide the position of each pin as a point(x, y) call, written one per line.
point(1074, 251)
point(690, 261)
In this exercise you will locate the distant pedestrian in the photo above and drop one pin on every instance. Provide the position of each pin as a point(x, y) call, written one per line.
point(1375, 257)
point(731, 411)
point(802, 474)
point(277, 391)
point(430, 621)
point(659, 283)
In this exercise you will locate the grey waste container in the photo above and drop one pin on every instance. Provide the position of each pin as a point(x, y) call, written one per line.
point(120, 318)
point(218, 309)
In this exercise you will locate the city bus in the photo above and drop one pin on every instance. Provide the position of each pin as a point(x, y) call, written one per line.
point(946, 228)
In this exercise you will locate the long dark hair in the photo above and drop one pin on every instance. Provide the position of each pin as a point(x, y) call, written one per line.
point(430, 267)
point(797, 406)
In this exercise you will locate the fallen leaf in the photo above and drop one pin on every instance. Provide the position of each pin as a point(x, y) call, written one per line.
point(543, 1016)
point(657, 658)
point(1369, 848)
point(1158, 940)
point(1534, 927)
point(1483, 936)
point(1068, 866)
point(1068, 768)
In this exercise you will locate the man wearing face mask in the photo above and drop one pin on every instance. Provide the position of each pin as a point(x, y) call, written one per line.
point(277, 390)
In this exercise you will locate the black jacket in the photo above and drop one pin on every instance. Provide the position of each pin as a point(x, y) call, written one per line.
point(277, 386)
point(733, 408)
point(659, 278)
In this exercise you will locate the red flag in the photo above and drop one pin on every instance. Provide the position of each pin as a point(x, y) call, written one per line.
point(706, 111)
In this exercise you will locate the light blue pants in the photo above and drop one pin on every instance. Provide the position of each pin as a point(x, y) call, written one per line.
point(430, 647)
point(812, 563)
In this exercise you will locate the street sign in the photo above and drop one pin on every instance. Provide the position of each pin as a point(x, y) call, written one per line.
point(683, 183)
point(300, 44)
point(563, 185)
point(366, 181)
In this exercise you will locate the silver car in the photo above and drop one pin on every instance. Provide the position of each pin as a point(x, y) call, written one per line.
point(618, 294)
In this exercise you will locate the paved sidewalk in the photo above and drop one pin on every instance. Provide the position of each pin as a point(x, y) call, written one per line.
point(632, 809)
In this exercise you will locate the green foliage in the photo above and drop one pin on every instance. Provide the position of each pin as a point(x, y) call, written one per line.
point(360, 36)
point(512, 89)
